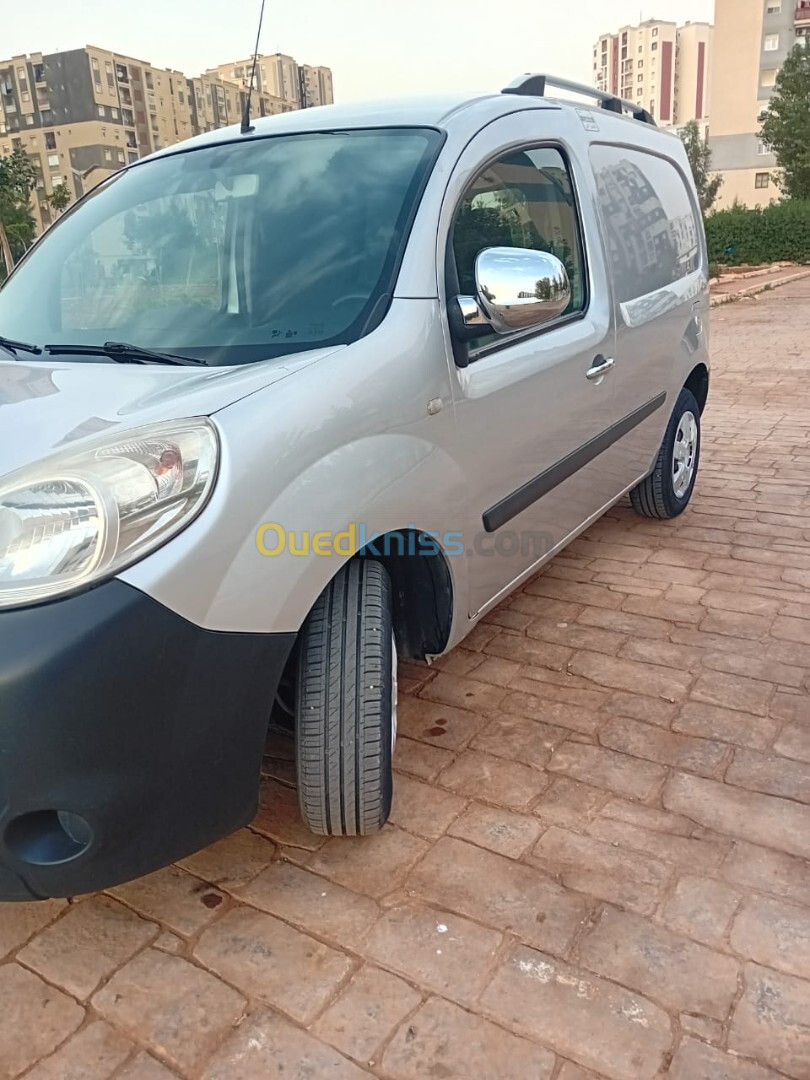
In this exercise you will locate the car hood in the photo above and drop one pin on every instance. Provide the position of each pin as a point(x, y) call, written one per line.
point(50, 405)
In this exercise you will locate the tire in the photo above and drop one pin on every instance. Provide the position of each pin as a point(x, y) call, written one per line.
point(666, 492)
point(345, 721)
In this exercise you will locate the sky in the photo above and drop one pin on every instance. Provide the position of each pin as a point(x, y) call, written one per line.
point(376, 48)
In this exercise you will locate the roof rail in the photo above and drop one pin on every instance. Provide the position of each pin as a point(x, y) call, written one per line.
point(535, 86)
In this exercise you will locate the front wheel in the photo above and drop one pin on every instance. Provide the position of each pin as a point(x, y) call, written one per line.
point(345, 722)
point(666, 492)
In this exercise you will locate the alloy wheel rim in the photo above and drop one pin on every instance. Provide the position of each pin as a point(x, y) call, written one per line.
point(684, 453)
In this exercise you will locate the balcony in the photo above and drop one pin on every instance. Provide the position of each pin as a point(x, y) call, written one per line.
point(802, 13)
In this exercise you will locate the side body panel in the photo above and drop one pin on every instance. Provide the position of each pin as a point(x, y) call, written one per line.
point(653, 234)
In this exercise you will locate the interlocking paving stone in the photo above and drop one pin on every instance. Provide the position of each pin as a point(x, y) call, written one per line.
point(772, 1021)
point(443, 1040)
point(178, 1010)
point(36, 1018)
point(267, 959)
point(554, 1002)
point(498, 892)
point(85, 946)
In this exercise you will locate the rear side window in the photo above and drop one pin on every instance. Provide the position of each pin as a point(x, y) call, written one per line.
point(652, 232)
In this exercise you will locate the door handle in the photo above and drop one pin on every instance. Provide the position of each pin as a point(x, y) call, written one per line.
point(601, 366)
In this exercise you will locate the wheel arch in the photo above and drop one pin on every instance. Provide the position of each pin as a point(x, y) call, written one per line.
point(698, 383)
point(422, 587)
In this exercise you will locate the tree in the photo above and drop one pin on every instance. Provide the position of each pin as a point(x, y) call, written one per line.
point(59, 198)
point(786, 123)
point(700, 161)
point(17, 227)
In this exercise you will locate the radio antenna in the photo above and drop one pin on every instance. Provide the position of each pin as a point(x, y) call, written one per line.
point(247, 127)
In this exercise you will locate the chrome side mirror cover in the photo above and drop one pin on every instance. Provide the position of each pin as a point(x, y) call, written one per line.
point(518, 289)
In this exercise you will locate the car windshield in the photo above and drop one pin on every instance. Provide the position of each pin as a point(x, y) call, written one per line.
point(231, 253)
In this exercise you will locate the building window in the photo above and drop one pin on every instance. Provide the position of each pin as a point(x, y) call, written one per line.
point(774, 7)
point(654, 46)
point(25, 97)
point(114, 113)
point(101, 112)
point(641, 78)
point(30, 121)
point(53, 161)
point(762, 149)
point(121, 156)
point(655, 31)
point(94, 63)
point(50, 140)
point(771, 42)
point(641, 63)
point(108, 155)
point(768, 77)
point(762, 180)
point(131, 156)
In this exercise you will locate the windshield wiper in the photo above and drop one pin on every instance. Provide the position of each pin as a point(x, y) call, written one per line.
point(13, 347)
point(122, 353)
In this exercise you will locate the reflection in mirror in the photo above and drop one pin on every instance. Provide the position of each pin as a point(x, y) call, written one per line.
point(519, 289)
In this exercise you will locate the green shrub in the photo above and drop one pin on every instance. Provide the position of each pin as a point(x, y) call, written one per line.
point(749, 237)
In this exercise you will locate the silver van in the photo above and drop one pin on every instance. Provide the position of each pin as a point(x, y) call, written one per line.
point(281, 407)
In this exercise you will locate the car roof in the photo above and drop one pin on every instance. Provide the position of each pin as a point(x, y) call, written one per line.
point(443, 112)
point(459, 114)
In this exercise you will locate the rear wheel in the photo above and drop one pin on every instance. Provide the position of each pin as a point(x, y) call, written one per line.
point(666, 492)
point(345, 723)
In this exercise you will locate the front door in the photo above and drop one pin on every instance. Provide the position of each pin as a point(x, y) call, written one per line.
point(534, 415)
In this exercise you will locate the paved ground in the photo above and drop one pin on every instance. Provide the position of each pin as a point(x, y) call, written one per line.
point(599, 852)
point(733, 286)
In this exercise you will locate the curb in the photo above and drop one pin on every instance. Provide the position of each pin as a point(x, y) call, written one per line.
point(761, 271)
point(754, 290)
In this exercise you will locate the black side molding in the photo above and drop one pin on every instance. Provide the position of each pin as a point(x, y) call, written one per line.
point(498, 515)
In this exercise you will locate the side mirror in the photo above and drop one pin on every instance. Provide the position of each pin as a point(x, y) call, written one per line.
point(518, 289)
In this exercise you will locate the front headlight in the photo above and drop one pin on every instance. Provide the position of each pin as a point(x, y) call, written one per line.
point(77, 518)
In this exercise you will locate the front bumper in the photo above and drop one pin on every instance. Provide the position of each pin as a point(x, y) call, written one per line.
point(129, 738)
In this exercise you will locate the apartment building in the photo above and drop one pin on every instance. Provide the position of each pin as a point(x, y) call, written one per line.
point(693, 52)
point(638, 64)
point(281, 77)
point(752, 39)
point(315, 86)
point(83, 114)
point(659, 66)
